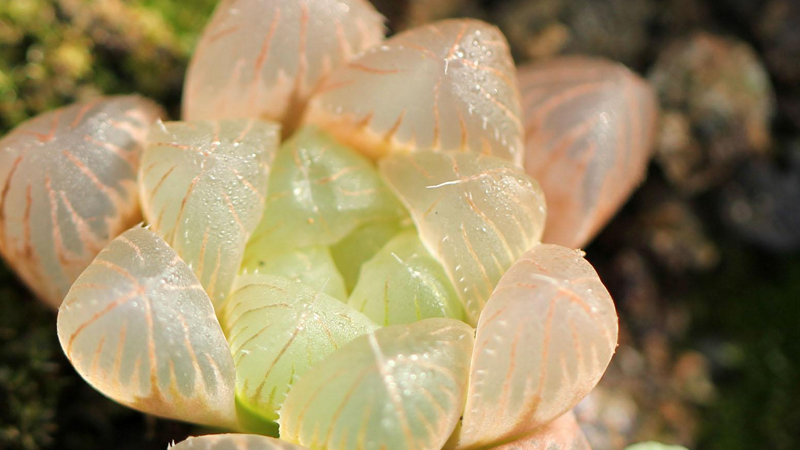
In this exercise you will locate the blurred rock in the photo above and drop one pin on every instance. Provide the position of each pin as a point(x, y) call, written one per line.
point(717, 102)
point(617, 29)
point(762, 204)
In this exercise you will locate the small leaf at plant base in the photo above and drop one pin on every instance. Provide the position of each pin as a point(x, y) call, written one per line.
point(203, 186)
point(401, 387)
point(654, 446)
point(138, 326)
point(563, 433)
point(235, 442)
point(589, 131)
point(403, 283)
point(360, 245)
point(449, 86)
point(68, 186)
point(543, 341)
point(476, 214)
point(278, 329)
point(319, 192)
point(312, 266)
point(263, 58)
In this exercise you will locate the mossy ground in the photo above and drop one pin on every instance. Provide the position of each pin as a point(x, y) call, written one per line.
point(744, 314)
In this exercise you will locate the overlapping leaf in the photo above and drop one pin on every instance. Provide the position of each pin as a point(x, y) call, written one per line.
point(400, 387)
point(68, 186)
point(543, 342)
point(589, 130)
point(263, 58)
point(476, 214)
point(203, 186)
point(278, 329)
point(319, 192)
point(447, 86)
point(564, 433)
point(235, 442)
point(138, 326)
point(403, 283)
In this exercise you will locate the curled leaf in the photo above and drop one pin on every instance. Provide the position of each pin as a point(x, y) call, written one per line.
point(263, 58)
point(278, 329)
point(447, 86)
point(401, 387)
point(138, 326)
point(589, 130)
point(203, 186)
point(68, 186)
point(476, 214)
point(543, 341)
point(235, 442)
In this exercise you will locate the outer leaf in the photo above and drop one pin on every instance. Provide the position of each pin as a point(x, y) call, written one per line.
point(475, 214)
point(235, 442)
point(278, 329)
point(589, 130)
point(312, 266)
point(563, 433)
point(203, 186)
point(68, 186)
point(403, 283)
point(319, 192)
point(543, 342)
point(360, 245)
point(401, 387)
point(448, 86)
point(138, 327)
point(263, 58)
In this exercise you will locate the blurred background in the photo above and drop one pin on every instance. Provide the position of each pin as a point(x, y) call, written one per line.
point(703, 261)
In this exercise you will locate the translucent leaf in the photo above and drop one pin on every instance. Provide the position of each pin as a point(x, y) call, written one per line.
point(654, 446)
point(319, 192)
point(475, 214)
point(263, 58)
point(448, 86)
point(401, 387)
point(278, 329)
point(138, 327)
point(312, 266)
point(543, 342)
point(403, 283)
point(360, 245)
point(235, 442)
point(589, 130)
point(68, 186)
point(564, 433)
point(203, 186)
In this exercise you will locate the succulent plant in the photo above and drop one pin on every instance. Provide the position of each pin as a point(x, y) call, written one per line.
point(343, 247)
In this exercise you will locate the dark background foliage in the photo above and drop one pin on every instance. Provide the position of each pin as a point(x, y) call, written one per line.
point(703, 261)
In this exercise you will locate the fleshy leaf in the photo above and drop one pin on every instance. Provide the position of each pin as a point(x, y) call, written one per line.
point(235, 442)
point(138, 326)
point(319, 192)
point(312, 266)
point(563, 433)
point(360, 245)
point(447, 86)
point(543, 342)
point(263, 58)
point(278, 329)
point(68, 186)
point(589, 130)
point(403, 283)
point(476, 214)
point(401, 387)
point(203, 186)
